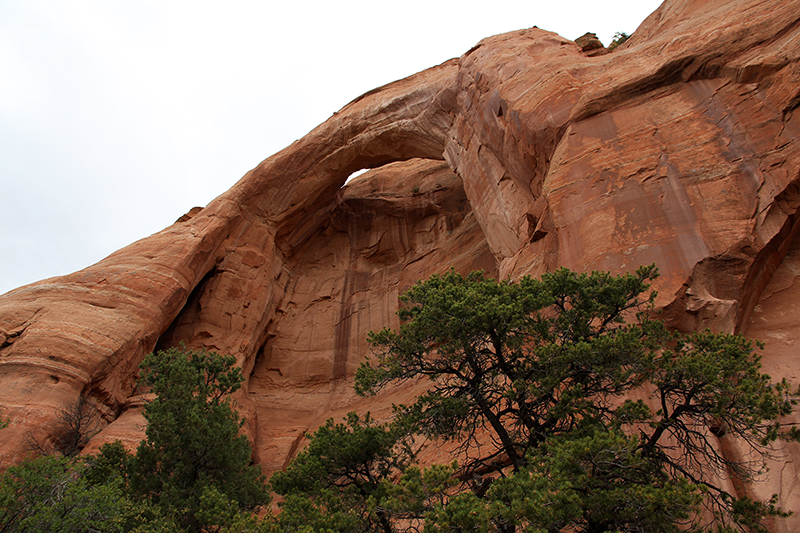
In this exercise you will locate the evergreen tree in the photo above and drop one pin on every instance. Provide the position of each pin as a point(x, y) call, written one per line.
point(536, 373)
point(191, 473)
point(51, 494)
point(194, 463)
point(339, 480)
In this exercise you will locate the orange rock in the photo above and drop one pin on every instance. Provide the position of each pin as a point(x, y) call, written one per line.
point(680, 149)
point(591, 45)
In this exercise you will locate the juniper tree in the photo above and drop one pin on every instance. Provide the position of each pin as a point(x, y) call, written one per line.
point(194, 456)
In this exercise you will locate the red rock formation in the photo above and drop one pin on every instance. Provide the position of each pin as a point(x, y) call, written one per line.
point(680, 148)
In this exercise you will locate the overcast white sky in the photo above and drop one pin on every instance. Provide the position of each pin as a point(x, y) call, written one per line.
point(116, 117)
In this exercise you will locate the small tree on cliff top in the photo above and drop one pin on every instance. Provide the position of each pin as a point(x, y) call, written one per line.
point(542, 366)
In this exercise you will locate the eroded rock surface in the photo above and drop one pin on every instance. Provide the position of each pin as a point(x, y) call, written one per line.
point(679, 148)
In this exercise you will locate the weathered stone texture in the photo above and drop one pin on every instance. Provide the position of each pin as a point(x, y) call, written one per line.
point(679, 148)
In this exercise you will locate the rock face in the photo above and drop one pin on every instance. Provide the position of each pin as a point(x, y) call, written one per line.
point(680, 148)
point(591, 45)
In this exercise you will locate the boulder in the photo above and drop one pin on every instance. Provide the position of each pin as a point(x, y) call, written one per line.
point(591, 45)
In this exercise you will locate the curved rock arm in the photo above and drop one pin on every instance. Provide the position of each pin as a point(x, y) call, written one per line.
point(85, 333)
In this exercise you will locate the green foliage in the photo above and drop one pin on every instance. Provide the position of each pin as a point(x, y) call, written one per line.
point(533, 376)
point(112, 467)
point(194, 463)
point(109, 465)
point(619, 38)
point(336, 481)
point(326, 510)
point(357, 455)
point(530, 380)
point(595, 481)
point(57, 493)
point(714, 380)
point(591, 481)
point(51, 493)
point(192, 473)
point(247, 523)
point(420, 492)
point(464, 512)
point(522, 360)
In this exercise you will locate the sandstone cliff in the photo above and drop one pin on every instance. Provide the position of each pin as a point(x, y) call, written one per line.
point(680, 148)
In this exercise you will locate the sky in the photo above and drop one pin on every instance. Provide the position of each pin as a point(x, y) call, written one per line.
point(117, 117)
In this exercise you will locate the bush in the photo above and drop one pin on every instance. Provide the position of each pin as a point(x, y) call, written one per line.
point(619, 38)
point(51, 493)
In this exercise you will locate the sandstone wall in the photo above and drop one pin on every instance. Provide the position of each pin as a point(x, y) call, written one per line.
point(680, 148)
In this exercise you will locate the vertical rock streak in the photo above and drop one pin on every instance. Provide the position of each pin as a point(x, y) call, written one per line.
point(525, 154)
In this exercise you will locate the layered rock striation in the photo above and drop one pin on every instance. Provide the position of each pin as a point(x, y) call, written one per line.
point(679, 148)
